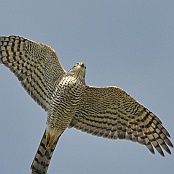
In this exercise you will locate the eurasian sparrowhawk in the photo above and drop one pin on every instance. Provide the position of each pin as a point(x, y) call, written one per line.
point(107, 112)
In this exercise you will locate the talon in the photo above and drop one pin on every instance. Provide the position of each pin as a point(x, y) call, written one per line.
point(49, 140)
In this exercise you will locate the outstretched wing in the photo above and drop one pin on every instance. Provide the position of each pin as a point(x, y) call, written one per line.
point(36, 66)
point(110, 112)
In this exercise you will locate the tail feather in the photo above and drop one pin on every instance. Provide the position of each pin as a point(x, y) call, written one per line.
point(42, 158)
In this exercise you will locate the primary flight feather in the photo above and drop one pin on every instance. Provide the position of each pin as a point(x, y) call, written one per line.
point(107, 112)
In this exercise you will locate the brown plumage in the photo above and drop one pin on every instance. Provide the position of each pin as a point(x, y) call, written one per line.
point(108, 112)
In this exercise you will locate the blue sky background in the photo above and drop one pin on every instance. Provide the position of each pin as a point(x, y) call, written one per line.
point(125, 43)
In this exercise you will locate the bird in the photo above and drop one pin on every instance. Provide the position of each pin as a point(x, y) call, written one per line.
point(107, 112)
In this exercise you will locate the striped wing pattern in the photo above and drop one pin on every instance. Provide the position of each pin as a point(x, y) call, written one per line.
point(35, 65)
point(107, 112)
point(110, 112)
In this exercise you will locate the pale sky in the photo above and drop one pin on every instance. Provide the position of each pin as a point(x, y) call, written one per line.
point(129, 44)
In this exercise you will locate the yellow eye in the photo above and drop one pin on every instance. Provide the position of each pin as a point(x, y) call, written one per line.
point(76, 64)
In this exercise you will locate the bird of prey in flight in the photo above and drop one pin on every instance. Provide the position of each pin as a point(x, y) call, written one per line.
point(107, 112)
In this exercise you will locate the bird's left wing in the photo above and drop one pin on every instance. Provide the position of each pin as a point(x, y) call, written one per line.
point(36, 66)
point(110, 112)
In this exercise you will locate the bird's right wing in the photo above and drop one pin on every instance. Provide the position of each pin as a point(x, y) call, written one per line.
point(110, 112)
point(35, 65)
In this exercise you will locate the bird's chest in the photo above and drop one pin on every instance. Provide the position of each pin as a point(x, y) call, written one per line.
point(68, 90)
point(66, 95)
point(64, 102)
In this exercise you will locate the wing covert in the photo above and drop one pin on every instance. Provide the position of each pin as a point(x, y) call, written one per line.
point(110, 112)
point(35, 65)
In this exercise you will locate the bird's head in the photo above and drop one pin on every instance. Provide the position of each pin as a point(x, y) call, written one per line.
point(78, 70)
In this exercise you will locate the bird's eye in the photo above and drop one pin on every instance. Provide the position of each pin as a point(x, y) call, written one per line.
point(80, 64)
point(76, 64)
point(83, 65)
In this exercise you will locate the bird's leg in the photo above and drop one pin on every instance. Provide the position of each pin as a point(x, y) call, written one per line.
point(52, 134)
point(49, 140)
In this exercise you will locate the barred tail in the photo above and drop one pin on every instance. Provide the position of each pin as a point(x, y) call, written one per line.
point(42, 158)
